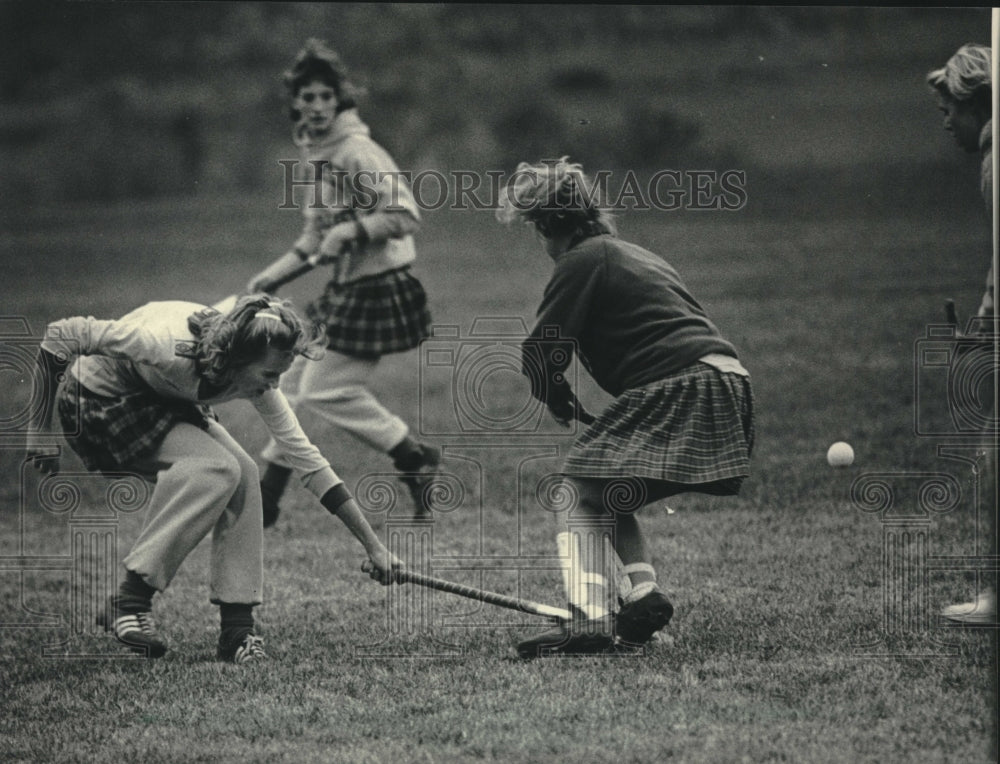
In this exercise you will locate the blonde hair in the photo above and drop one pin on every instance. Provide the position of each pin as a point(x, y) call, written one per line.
point(228, 342)
point(966, 73)
point(557, 198)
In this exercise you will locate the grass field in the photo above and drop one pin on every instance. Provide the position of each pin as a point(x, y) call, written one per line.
point(781, 594)
point(794, 637)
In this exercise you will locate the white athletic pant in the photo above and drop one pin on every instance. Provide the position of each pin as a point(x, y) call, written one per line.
point(204, 482)
point(334, 390)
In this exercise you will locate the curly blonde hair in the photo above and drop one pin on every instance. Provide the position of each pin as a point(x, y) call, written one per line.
point(557, 198)
point(318, 61)
point(966, 74)
point(226, 343)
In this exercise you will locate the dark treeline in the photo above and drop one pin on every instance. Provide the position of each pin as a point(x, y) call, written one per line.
point(106, 101)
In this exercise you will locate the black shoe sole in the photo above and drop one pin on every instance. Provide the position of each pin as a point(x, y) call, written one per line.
point(639, 629)
point(581, 644)
point(568, 641)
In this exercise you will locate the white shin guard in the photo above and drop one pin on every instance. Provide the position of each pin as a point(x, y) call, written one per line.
point(587, 591)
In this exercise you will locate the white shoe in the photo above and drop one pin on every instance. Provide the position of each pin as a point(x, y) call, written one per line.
point(982, 611)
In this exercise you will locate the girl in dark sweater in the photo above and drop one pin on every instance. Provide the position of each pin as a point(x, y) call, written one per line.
point(682, 418)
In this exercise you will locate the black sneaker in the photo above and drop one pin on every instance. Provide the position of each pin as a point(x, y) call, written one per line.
point(638, 621)
point(419, 478)
point(578, 637)
point(133, 626)
point(244, 648)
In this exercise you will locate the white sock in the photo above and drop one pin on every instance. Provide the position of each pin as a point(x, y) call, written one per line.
point(643, 586)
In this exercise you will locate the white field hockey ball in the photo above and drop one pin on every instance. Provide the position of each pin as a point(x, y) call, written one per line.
point(840, 454)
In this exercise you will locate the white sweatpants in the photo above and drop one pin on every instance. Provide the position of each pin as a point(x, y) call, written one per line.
point(334, 390)
point(204, 482)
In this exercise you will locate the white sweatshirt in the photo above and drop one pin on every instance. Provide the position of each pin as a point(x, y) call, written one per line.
point(148, 349)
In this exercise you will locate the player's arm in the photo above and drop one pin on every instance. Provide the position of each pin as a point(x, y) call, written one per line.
point(548, 350)
point(986, 304)
point(318, 477)
point(45, 460)
point(339, 238)
point(543, 362)
point(66, 338)
point(277, 272)
point(75, 336)
point(339, 502)
point(385, 206)
point(304, 249)
point(128, 338)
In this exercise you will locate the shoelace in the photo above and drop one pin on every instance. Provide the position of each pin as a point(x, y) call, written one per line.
point(251, 649)
point(142, 622)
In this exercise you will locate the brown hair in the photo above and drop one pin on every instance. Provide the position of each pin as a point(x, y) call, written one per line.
point(228, 342)
point(317, 61)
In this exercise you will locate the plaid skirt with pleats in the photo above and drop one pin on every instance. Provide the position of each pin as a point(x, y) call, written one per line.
point(375, 315)
point(109, 434)
point(693, 431)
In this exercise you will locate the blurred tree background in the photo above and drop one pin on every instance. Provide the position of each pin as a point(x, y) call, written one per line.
point(112, 101)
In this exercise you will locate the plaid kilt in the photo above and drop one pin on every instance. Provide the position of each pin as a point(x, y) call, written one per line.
point(110, 434)
point(692, 431)
point(375, 315)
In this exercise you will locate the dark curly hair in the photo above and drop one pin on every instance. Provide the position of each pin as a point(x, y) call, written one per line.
point(229, 342)
point(317, 61)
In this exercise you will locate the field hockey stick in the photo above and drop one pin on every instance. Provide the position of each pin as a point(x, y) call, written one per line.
point(404, 576)
point(300, 270)
point(226, 305)
point(951, 314)
point(580, 414)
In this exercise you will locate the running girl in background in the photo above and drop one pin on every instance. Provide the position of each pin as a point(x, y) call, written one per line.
point(964, 87)
point(140, 393)
point(682, 418)
point(363, 225)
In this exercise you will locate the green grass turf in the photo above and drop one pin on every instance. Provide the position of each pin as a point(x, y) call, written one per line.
point(780, 593)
